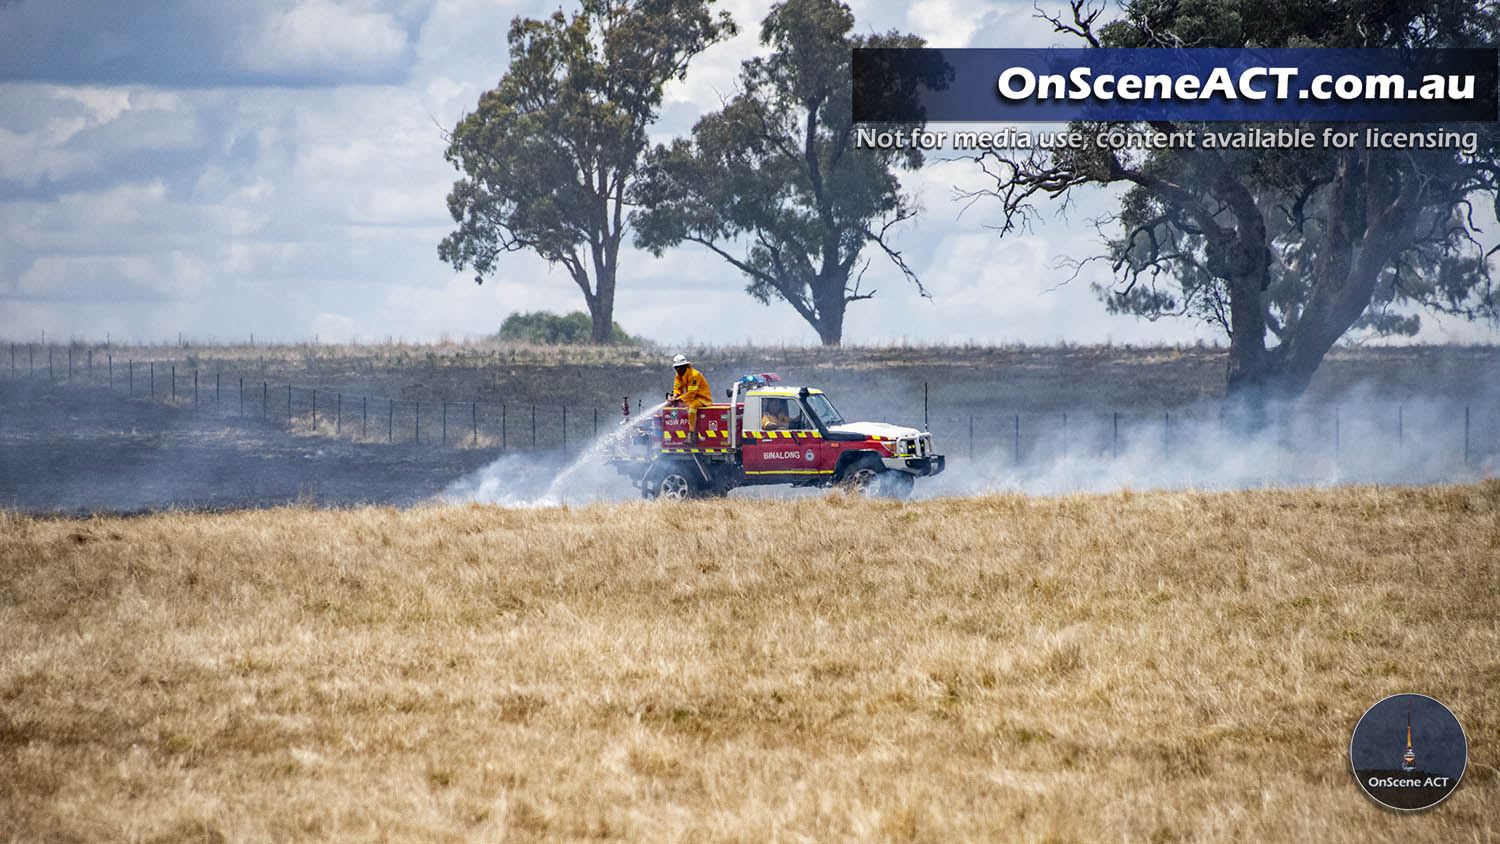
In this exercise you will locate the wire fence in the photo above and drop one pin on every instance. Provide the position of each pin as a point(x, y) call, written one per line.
point(1469, 432)
point(1390, 432)
point(320, 410)
point(1413, 441)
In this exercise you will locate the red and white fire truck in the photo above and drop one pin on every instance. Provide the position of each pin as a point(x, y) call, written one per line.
point(771, 434)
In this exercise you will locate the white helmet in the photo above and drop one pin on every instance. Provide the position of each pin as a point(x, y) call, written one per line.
point(680, 361)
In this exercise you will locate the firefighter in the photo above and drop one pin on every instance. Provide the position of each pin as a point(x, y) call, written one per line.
point(689, 390)
point(775, 417)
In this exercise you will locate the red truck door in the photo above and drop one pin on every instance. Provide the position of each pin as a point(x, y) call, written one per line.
point(781, 443)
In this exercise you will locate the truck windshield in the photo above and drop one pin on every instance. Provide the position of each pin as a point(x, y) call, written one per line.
point(822, 408)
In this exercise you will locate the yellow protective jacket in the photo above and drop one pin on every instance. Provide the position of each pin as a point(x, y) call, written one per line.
point(774, 421)
point(691, 388)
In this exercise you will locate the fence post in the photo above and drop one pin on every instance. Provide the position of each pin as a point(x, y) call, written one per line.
point(1117, 435)
point(474, 413)
point(1400, 430)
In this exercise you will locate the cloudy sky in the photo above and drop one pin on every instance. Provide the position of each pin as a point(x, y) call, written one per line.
point(275, 167)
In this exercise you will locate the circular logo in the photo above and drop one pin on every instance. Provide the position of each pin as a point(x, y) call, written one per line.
point(1408, 752)
point(809, 456)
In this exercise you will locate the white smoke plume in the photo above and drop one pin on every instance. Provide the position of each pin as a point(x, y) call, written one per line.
point(1364, 436)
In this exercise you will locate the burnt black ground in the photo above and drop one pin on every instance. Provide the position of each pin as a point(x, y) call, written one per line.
point(76, 451)
point(74, 440)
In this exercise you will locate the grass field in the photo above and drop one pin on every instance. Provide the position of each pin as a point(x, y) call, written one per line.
point(1162, 666)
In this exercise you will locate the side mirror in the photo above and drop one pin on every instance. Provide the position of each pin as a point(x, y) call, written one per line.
point(802, 392)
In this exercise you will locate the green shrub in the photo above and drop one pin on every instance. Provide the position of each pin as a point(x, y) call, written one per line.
point(544, 328)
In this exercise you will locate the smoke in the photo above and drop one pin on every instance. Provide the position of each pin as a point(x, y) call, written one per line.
point(544, 480)
point(81, 449)
point(1362, 436)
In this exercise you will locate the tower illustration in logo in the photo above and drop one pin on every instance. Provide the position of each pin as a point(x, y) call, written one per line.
point(1394, 780)
point(1409, 758)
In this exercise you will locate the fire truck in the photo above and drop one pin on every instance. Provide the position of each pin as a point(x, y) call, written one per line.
point(770, 434)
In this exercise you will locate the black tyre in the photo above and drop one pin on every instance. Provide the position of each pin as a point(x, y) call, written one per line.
point(676, 485)
point(869, 476)
point(863, 475)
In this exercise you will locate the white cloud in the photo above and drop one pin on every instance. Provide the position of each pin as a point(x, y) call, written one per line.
point(318, 36)
point(944, 23)
point(142, 210)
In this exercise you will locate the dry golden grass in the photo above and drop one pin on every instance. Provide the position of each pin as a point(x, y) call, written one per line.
point(1173, 666)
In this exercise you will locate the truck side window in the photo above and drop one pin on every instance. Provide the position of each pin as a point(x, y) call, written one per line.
point(796, 420)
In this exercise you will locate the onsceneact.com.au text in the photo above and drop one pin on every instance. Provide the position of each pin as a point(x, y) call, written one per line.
point(1253, 83)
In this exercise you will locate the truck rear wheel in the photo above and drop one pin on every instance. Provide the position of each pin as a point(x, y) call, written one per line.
point(675, 485)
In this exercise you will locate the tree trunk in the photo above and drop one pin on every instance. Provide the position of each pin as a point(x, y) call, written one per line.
point(602, 304)
point(1245, 260)
point(1245, 393)
point(828, 299)
point(831, 331)
point(602, 314)
point(1369, 215)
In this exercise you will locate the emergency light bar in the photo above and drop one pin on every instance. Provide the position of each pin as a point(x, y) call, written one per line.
point(757, 380)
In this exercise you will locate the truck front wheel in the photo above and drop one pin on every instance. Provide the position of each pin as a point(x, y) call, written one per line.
point(869, 476)
point(863, 475)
